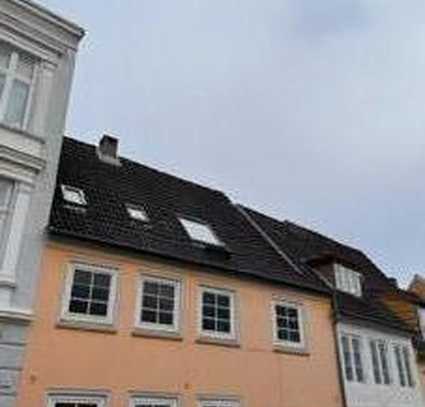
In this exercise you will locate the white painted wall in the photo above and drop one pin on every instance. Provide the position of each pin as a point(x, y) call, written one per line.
point(30, 157)
point(370, 394)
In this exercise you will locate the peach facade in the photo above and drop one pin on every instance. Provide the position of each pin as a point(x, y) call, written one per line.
point(120, 362)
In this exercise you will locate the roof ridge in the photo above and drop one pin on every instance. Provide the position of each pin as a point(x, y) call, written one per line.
point(160, 172)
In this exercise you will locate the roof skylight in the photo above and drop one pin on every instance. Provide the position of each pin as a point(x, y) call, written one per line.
point(200, 232)
point(73, 195)
point(137, 213)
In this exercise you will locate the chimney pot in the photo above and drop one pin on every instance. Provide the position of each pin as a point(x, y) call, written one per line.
point(108, 149)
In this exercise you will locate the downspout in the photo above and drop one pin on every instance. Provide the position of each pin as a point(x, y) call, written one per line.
point(338, 349)
point(279, 251)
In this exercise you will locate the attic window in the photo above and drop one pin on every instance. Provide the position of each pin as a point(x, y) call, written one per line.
point(73, 195)
point(347, 280)
point(200, 232)
point(137, 213)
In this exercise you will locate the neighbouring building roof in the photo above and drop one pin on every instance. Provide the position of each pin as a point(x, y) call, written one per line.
point(108, 190)
point(305, 246)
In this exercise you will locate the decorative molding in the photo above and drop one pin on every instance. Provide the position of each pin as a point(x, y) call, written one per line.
point(41, 25)
point(22, 159)
point(16, 315)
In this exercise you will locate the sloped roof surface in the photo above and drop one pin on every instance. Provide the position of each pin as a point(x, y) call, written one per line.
point(108, 188)
point(302, 244)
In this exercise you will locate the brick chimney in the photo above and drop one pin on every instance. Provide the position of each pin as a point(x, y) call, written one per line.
point(107, 150)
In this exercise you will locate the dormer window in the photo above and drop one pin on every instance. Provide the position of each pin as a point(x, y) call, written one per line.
point(200, 232)
point(17, 73)
point(347, 280)
point(73, 195)
point(137, 213)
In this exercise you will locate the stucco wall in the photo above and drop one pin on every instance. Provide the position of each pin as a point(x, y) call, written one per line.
point(118, 363)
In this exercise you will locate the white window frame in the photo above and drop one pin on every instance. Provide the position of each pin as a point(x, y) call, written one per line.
point(407, 366)
point(151, 400)
point(98, 400)
point(218, 402)
point(186, 222)
point(348, 280)
point(232, 335)
point(350, 337)
point(112, 300)
point(177, 284)
point(68, 188)
point(380, 367)
point(137, 212)
point(11, 74)
point(5, 213)
point(301, 322)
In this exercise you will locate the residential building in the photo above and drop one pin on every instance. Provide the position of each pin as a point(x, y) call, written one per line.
point(156, 291)
point(377, 358)
point(37, 56)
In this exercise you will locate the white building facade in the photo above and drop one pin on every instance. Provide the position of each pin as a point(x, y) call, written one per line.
point(378, 366)
point(37, 58)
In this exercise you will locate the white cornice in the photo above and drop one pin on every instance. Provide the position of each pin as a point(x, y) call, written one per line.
point(51, 17)
point(27, 20)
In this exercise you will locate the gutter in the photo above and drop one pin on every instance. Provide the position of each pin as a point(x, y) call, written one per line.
point(246, 273)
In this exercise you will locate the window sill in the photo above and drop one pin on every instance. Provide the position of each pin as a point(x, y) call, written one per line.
point(158, 334)
point(209, 340)
point(293, 350)
point(87, 326)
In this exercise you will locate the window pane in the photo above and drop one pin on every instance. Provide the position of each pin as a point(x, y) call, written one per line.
point(100, 294)
point(384, 363)
point(224, 300)
point(375, 363)
point(150, 302)
point(400, 366)
point(82, 277)
point(223, 313)
point(349, 373)
point(166, 290)
point(78, 307)
point(102, 280)
point(2, 84)
point(166, 318)
point(223, 326)
point(166, 304)
point(208, 298)
point(5, 52)
point(149, 316)
point(5, 191)
point(25, 67)
point(294, 336)
point(150, 288)
point(80, 291)
point(17, 103)
point(208, 324)
point(407, 365)
point(99, 309)
point(200, 232)
point(358, 360)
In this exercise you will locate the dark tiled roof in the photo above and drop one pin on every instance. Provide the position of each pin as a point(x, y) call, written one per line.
point(108, 188)
point(302, 245)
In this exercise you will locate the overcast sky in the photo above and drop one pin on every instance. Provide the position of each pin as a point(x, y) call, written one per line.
point(312, 111)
